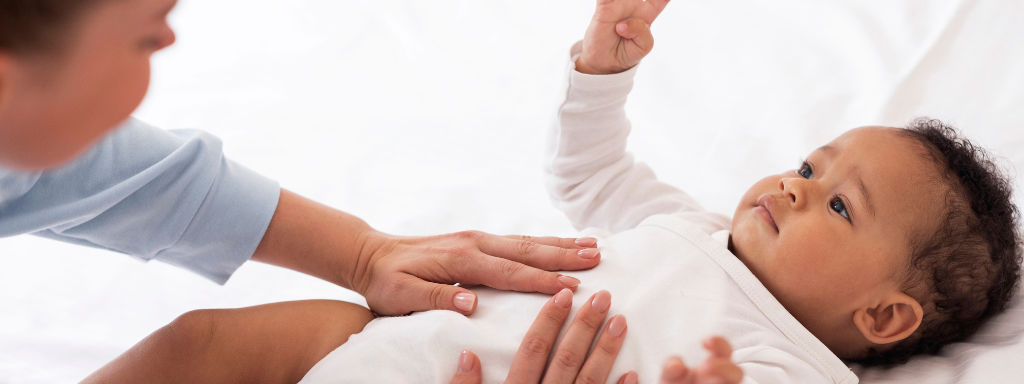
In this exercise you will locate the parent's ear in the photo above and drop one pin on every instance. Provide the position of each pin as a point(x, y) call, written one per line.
point(894, 318)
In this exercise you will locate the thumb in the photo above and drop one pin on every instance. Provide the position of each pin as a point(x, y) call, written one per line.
point(427, 296)
point(469, 369)
point(638, 31)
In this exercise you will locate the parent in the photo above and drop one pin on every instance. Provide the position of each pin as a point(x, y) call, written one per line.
point(80, 170)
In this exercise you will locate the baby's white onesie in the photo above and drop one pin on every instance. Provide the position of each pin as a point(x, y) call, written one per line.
point(664, 259)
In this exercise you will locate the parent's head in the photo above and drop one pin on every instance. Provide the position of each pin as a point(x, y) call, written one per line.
point(70, 71)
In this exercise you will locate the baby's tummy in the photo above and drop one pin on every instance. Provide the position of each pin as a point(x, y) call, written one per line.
point(672, 297)
point(424, 347)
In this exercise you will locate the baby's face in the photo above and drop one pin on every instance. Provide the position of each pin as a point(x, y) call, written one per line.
point(825, 236)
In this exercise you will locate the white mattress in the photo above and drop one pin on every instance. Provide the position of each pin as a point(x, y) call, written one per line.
point(428, 117)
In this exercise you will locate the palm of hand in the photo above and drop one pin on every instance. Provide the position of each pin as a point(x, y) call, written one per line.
point(619, 34)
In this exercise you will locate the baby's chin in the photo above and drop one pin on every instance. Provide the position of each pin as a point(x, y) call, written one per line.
point(747, 238)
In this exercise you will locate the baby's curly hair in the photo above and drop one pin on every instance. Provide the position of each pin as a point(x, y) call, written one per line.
point(967, 270)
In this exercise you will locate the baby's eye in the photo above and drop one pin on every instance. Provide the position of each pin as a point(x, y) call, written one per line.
point(839, 206)
point(805, 171)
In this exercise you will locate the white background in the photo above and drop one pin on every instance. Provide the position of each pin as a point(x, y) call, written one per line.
point(428, 117)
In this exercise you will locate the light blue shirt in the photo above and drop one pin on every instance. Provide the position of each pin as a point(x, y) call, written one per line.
point(148, 193)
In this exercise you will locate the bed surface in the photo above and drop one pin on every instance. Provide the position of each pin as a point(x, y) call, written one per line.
point(429, 117)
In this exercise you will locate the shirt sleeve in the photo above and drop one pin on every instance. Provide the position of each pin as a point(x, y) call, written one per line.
point(589, 174)
point(151, 194)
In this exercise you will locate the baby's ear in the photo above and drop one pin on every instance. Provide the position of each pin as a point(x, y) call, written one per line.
point(895, 318)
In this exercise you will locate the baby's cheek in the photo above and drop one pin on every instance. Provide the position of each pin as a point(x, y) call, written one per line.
point(808, 270)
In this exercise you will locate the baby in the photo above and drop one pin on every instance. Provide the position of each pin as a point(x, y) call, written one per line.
point(883, 244)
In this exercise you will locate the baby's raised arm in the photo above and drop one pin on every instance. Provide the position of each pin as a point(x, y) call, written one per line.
point(589, 174)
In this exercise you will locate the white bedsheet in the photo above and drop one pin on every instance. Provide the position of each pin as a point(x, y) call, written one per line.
point(428, 117)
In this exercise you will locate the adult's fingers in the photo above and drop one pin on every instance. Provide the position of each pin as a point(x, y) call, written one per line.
point(561, 242)
point(546, 253)
point(572, 350)
point(599, 363)
point(510, 275)
point(629, 378)
point(532, 356)
point(469, 371)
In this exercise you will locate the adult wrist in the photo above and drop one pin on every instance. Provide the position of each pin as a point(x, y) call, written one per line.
point(368, 246)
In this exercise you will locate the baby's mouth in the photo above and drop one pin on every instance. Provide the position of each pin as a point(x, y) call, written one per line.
point(764, 210)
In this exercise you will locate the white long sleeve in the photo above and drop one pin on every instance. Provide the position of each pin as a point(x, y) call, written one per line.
point(590, 175)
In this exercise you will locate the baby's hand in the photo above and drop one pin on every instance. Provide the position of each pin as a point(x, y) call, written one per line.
point(716, 369)
point(619, 35)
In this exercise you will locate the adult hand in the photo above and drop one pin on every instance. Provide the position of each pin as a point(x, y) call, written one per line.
point(570, 362)
point(619, 35)
point(398, 275)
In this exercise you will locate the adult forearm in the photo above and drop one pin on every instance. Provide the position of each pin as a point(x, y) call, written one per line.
point(314, 239)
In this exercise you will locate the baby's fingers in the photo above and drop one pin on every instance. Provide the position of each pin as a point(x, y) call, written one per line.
point(675, 372)
point(719, 370)
point(719, 367)
point(636, 30)
point(718, 347)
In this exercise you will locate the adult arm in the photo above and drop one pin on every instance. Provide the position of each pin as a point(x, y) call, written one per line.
point(398, 275)
point(172, 196)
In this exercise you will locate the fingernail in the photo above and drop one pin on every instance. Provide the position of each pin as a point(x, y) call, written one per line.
point(564, 298)
point(586, 242)
point(465, 362)
point(617, 325)
point(567, 281)
point(602, 300)
point(588, 253)
point(465, 302)
point(630, 378)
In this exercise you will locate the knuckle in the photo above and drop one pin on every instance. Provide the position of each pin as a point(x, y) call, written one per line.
point(469, 235)
point(607, 347)
point(536, 346)
point(438, 298)
point(510, 269)
point(525, 248)
point(550, 317)
point(567, 359)
point(569, 254)
point(590, 324)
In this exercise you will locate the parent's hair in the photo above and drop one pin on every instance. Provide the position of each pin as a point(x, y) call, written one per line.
point(966, 270)
point(38, 26)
